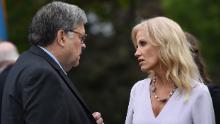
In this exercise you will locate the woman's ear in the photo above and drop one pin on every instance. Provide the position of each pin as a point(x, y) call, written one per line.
point(61, 38)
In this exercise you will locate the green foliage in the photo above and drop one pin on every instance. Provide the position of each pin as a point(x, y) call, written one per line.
point(19, 16)
point(124, 4)
point(201, 18)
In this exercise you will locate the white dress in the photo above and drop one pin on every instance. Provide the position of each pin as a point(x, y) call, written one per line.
point(197, 110)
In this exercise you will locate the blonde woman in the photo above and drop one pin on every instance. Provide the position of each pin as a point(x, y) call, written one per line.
point(173, 93)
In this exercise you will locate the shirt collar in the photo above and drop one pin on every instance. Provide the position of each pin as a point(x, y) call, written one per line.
point(53, 57)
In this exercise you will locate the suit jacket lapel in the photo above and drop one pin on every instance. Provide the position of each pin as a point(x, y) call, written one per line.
point(74, 90)
point(77, 94)
point(40, 52)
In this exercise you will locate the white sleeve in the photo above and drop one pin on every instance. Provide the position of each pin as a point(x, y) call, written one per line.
point(203, 112)
point(130, 111)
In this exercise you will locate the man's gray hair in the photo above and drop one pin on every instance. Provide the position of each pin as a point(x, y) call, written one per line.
point(53, 17)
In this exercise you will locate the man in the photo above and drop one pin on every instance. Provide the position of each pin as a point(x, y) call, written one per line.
point(8, 56)
point(37, 89)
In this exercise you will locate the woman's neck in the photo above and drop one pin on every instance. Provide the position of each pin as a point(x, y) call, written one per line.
point(162, 81)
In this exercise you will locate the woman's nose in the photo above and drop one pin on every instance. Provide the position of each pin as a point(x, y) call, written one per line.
point(137, 53)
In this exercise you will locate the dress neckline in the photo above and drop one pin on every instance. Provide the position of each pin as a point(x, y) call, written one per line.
point(165, 107)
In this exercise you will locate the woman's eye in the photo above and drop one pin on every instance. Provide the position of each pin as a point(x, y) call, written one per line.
point(142, 43)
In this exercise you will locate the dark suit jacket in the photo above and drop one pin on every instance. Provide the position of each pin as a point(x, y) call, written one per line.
point(38, 92)
point(215, 94)
point(3, 76)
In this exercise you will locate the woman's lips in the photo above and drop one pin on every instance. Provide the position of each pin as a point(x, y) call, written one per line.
point(140, 61)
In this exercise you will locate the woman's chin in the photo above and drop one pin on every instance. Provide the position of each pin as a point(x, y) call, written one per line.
point(144, 70)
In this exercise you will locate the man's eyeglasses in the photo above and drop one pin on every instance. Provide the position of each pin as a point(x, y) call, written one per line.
point(81, 36)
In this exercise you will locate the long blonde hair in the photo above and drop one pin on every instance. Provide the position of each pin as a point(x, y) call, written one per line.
point(174, 51)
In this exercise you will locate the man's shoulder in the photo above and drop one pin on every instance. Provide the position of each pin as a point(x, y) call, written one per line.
point(214, 90)
point(30, 64)
point(30, 59)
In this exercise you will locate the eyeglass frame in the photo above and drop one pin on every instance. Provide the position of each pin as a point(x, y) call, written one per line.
point(81, 36)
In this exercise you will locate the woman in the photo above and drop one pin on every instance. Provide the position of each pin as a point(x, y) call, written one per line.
point(173, 93)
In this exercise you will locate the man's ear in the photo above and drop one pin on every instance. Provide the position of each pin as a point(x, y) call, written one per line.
point(61, 38)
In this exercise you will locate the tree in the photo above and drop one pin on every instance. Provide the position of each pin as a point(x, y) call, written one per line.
point(201, 18)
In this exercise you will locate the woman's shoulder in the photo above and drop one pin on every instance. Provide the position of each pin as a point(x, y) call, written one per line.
point(140, 85)
point(200, 90)
point(199, 86)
